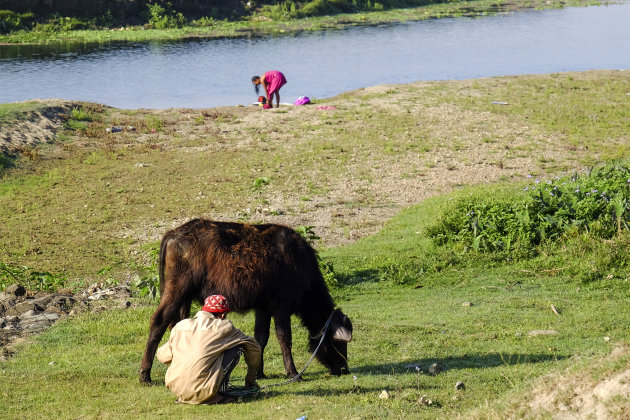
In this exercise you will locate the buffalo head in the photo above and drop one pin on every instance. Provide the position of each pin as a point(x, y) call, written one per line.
point(333, 353)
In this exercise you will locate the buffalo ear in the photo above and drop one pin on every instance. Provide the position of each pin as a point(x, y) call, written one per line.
point(341, 333)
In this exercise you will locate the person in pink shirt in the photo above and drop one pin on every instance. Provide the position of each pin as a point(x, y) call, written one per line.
point(272, 81)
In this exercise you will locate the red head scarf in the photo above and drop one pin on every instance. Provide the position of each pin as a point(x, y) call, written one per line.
point(216, 304)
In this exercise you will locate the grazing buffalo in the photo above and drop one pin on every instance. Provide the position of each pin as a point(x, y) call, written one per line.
point(268, 268)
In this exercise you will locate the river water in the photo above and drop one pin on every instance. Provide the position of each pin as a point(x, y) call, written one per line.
point(206, 73)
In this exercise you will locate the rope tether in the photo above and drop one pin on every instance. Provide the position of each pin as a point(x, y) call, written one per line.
point(240, 392)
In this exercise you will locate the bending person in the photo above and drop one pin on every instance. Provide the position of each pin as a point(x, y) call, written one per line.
point(201, 353)
point(271, 81)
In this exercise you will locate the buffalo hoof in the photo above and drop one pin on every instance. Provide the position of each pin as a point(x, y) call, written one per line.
point(297, 378)
point(145, 378)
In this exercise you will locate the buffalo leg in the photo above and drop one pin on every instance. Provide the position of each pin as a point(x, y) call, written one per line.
point(261, 334)
point(166, 314)
point(283, 332)
point(184, 312)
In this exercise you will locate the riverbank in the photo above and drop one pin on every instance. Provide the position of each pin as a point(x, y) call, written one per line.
point(262, 24)
point(114, 180)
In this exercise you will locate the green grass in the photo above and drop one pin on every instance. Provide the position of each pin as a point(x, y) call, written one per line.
point(264, 23)
point(396, 328)
point(577, 116)
point(15, 111)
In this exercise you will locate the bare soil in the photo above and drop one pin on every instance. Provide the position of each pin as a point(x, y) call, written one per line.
point(588, 394)
point(34, 127)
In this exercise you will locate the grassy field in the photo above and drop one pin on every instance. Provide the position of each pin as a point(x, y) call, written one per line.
point(266, 23)
point(91, 206)
point(87, 367)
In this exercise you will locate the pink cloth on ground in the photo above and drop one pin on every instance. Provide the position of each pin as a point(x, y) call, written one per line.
point(275, 80)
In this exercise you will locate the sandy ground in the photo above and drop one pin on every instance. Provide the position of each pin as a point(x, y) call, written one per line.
point(583, 395)
point(35, 127)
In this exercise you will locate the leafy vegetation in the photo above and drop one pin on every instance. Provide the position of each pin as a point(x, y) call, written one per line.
point(31, 279)
point(11, 21)
point(596, 202)
point(162, 20)
point(163, 17)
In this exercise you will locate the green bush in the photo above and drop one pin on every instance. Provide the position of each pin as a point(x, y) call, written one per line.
point(163, 17)
point(596, 203)
point(11, 21)
point(81, 114)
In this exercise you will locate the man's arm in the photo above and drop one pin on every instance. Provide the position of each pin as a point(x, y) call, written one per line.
point(165, 353)
point(252, 358)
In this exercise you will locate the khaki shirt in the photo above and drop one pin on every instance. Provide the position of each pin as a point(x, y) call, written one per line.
point(194, 353)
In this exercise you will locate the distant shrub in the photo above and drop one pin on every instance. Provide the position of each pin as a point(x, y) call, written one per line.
point(204, 22)
point(11, 21)
point(281, 10)
point(163, 17)
point(62, 24)
point(81, 114)
point(596, 203)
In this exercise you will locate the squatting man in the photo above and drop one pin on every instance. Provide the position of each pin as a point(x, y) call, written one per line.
point(202, 352)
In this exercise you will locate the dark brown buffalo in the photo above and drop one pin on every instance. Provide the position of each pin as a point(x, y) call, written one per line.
point(268, 268)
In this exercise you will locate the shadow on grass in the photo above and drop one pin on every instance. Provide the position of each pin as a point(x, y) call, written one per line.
point(7, 160)
point(361, 276)
point(409, 367)
point(479, 361)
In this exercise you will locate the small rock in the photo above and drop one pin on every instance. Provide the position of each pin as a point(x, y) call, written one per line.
point(435, 368)
point(27, 306)
point(460, 386)
point(384, 395)
point(467, 304)
point(125, 304)
point(28, 315)
point(607, 339)
point(16, 289)
point(51, 363)
point(67, 291)
point(42, 301)
point(3, 323)
point(53, 310)
point(535, 333)
point(72, 313)
point(424, 400)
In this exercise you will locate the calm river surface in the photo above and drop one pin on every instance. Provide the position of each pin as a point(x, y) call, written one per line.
point(206, 73)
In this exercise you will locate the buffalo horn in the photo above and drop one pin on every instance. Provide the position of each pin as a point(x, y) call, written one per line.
point(341, 333)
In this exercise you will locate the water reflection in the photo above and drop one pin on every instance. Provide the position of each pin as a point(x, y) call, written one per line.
point(202, 73)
